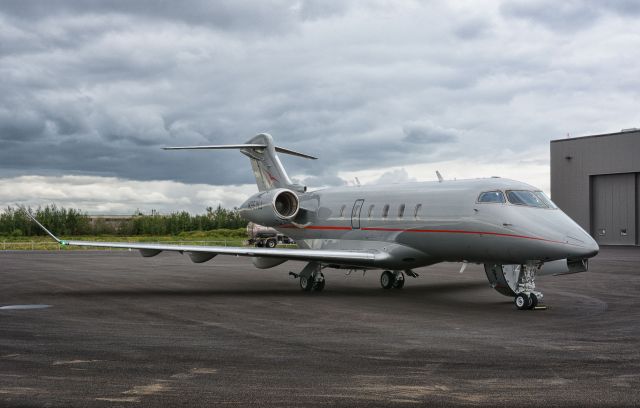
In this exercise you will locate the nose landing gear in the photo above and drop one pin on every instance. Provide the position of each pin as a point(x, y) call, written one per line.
point(526, 302)
point(527, 297)
point(517, 282)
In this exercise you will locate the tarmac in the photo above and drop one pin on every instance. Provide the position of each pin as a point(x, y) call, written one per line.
point(102, 329)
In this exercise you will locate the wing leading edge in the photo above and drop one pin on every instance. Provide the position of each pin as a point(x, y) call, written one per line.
point(204, 253)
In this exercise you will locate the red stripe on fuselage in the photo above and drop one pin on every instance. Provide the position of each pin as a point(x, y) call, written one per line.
point(428, 231)
point(327, 227)
point(499, 234)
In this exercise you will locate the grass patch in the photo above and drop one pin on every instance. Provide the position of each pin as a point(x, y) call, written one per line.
point(222, 237)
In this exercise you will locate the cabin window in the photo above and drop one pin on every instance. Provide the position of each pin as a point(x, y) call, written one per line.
point(401, 211)
point(525, 198)
point(342, 211)
point(370, 213)
point(491, 197)
point(385, 211)
point(416, 212)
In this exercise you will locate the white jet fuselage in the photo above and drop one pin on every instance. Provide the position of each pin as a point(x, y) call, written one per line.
point(419, 224)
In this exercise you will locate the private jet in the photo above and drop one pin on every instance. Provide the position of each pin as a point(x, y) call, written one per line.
point(510, 227)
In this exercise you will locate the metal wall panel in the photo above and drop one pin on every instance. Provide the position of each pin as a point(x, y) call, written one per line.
point(613, 209)
point(576, 162)
point(637, 208)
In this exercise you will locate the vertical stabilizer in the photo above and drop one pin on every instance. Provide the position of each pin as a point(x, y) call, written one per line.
point(265, 163)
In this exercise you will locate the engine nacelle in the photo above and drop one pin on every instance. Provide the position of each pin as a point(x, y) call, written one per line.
point(271, 208)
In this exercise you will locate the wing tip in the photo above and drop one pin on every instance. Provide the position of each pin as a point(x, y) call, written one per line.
point(58, 240)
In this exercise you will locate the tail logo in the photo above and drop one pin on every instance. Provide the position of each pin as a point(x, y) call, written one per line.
point(270, 176)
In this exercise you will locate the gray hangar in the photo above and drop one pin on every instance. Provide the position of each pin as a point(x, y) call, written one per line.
point(596, 181)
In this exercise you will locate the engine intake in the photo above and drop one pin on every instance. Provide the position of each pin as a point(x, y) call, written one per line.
point(286, 204)
point(271, 208)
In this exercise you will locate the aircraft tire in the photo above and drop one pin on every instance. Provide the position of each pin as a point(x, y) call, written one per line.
point(271, 243)
point(398, 284)
point(386, 280)
point(306, 283)
point(534, 301)
point(522, 301)
point(319, 286)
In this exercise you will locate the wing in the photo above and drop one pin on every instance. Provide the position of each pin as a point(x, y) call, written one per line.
point(200, 254)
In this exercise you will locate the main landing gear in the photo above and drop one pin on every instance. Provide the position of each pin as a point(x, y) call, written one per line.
point(312, 283)
point(527, 297)
point(311, 277)
point(389, 280)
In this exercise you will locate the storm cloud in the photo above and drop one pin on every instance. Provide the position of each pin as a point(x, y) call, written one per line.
point(96, 88)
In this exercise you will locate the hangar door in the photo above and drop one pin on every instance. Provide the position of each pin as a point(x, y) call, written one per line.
point(613, 209)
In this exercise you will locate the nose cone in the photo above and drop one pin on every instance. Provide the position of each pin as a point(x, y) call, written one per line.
point(591, 248)
point(584, 246)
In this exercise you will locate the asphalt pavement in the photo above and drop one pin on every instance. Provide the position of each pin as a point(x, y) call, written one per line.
point(102, 329)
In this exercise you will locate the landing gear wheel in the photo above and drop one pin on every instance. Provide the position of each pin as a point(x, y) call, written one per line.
point(271, 243)
point(319, 286)
point(534, 301)
point(306, 283)
point(387, 279)
point(398, 283)
point(522, 301)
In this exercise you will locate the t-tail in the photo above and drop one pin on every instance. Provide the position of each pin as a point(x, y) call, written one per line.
point(265, 162)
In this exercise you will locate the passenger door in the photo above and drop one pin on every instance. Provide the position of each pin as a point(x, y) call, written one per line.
point(355, 214)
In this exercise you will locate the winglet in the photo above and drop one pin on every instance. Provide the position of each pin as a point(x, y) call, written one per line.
point(59, 241)
point(440, 178)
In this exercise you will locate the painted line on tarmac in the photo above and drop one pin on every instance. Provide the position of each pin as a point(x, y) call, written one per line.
point(24, 307)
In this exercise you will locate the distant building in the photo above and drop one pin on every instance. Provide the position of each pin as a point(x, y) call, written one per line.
point(596, 181)
point(113, 221)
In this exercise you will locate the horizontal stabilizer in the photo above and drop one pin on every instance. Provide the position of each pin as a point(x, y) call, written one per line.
point(242, 146)
point(233, 146)
point(294, 153)
point(265, 163)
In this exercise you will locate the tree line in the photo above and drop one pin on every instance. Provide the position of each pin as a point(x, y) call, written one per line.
point(65, 222)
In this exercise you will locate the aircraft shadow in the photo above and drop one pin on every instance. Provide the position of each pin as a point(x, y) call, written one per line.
point(427, 290)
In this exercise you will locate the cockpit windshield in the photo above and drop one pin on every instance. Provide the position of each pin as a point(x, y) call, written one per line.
point(545, 199)
point(530, 199)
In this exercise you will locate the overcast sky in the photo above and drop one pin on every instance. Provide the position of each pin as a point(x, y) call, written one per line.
point(386, 91)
